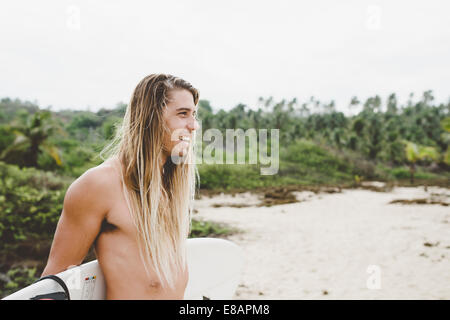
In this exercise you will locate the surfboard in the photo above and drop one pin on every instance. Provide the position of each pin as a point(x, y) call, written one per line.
point(215, 267)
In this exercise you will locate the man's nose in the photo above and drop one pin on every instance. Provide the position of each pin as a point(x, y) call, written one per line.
point(193, 125)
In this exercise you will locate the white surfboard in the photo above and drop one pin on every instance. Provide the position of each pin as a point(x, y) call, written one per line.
point(215, 267)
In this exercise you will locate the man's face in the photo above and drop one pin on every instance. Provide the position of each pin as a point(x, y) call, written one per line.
point(179, 116)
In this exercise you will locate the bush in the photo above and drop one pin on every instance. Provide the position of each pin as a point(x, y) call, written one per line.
point(401, 173)
point(229, 176)
point(208, 229)
point(405, 173)
point(313, 157)
point(30, 203)
point(301, 163)
point(16, 279)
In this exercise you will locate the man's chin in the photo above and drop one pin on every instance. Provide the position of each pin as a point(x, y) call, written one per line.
point(178, 159)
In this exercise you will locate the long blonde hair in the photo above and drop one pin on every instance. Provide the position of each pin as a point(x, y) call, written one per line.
point(159, 196)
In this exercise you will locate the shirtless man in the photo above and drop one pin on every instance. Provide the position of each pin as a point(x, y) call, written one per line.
point(96, 210)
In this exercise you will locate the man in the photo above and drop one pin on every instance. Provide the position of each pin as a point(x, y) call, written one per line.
point(136, 206)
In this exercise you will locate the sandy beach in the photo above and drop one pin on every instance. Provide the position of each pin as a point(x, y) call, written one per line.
point(353, 244)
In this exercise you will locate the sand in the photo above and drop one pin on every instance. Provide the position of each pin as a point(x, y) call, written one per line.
point(347, 245)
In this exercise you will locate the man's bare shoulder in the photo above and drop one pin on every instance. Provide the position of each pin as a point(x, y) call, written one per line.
point(96, 177)
point(105, 172)
point(97, 184)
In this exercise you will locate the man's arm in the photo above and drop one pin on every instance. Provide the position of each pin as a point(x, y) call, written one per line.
point(85, 207)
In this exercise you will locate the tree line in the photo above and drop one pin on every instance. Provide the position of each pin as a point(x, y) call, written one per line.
point(382, 131)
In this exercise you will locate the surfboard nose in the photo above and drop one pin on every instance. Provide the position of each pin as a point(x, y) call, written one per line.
point(215, 267)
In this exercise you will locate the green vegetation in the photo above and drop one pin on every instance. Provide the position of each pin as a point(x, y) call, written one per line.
point(16, 279)
point(42, 152)
point(201, 229)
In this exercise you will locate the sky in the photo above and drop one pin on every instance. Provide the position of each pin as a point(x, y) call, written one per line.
point(88, 55)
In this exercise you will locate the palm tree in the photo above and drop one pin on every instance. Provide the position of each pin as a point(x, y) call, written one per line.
point(445, 124)
point(32, 139)
point(353, 103)
point(415, 152)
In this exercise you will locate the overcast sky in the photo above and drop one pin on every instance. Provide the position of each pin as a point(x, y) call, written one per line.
point(80, 54)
